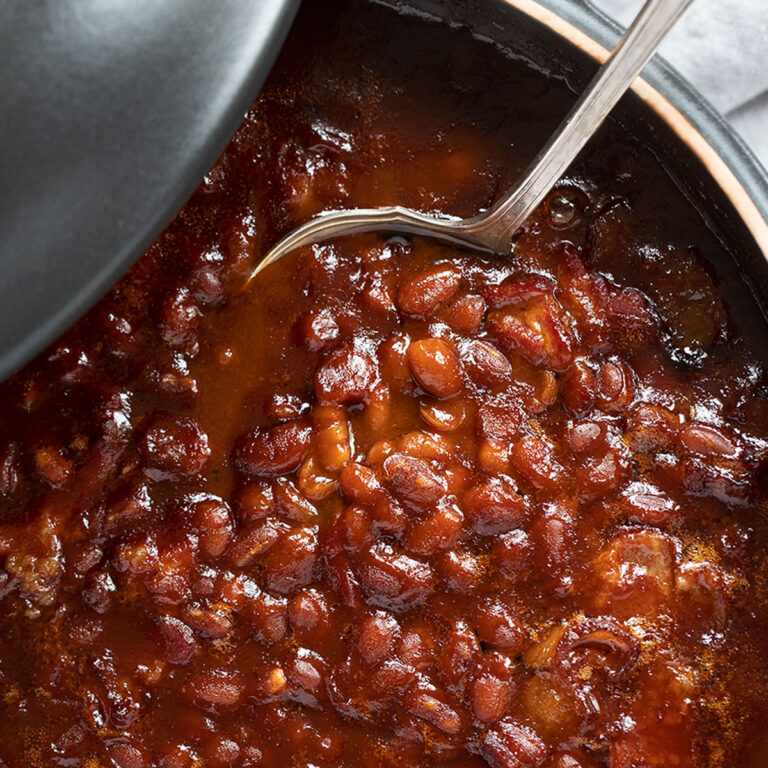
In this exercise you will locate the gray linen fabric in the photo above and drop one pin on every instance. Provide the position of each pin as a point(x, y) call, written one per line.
point(721, 47)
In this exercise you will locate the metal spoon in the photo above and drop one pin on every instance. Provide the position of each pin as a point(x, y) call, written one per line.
point(493, 229)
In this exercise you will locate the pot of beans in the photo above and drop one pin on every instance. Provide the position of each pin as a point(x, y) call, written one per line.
point(395, 503)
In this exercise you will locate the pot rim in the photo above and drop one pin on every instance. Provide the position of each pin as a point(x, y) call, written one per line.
point(728, 160)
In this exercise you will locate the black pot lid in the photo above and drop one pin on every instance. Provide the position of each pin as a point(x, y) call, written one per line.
point(111, 111)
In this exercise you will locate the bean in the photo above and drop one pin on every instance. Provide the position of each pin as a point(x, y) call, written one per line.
point(306, 676)
point(308, 610)
point(292, 564)
point(52, 466)
point(117, 331)
point(534, 459)
point(9, 470)
point(578, 389)
point(313, 483)
point(443, 416)
point(127, 508)
point(331, 436)
point(215, 688)
point(706, 441)
point(220, 752)
point(179, 320)
point(518, 290)
point(206, 285)
point(380, 451)
point(392, 679)
point(603, 474)
point(489, 697)
point(422, 294)
point(435, 367)
point(465, 314)
point(457, 478)
point(359, 483)
point(254, 501)
point(394, 366)
point(615, 386)
point(388, 517)
point(437, 532)
point(378, 410)
point(213, 522)
point(274, 451)
point(177, 639)
point(485, 365)
point(568, 760)
point(70, 740)
point(428, 446)
point(122, 697)
point(500, 627)
point(358, 530)
point(729, 481)
point(544, 392)
point(125, 753)
point(285, 407)
point(345, 376)
point(291, 504)
point(541, 655)
point(493, 457)
point(511, 744)
point(412, 481)
point(417, 648)
point(253, 543)
point(460, 571)
point(137, 555)
point(98, 591)
point(209, 623)
point(538, 333)
point(317, 330)
point(460, 652)
point(494, 507)
point(268, 617)
point(376, 637)
point(377, 295)
point(178, 756)
point(647, 505)
point(425, 704)
point(343, 580)
point(174, 447)
point(585, 436)
point(651, 428)
point(392, 580)
point(555, 536)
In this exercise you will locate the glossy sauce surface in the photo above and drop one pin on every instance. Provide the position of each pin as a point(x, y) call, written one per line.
point(395, 504)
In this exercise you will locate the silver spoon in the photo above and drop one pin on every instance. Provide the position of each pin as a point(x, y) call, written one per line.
point(493, 229)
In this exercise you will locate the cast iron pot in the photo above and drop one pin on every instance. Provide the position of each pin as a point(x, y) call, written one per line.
point(706, 158)
point(64, 240)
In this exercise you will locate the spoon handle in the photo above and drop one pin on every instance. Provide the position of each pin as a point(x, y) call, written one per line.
point(497, 225)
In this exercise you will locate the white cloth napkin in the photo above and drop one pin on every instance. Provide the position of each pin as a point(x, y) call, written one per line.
point(721, 47)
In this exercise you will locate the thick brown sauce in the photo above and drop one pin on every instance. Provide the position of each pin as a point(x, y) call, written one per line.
point(515, 512)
